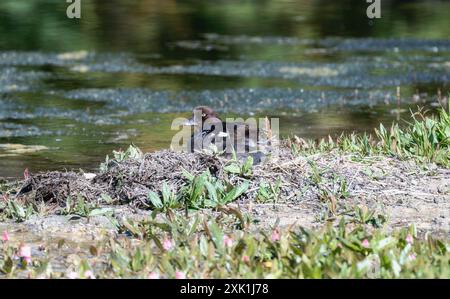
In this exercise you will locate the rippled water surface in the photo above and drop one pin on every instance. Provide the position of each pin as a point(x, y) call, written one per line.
point(71, 91)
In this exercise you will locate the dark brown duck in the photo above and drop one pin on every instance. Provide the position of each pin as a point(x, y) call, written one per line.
point(242, 138)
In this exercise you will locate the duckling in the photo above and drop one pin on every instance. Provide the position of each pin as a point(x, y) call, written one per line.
point(240, 137)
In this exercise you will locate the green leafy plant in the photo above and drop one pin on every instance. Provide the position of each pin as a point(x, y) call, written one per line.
point(425, 139)
point(18, 211)
point(132, 152)
point(82, 208)
point(209, 246)
point(241, 169)
point(269, 192)
point(206, 191)
point(339, 251)
point(363, 215)
point(168, 200)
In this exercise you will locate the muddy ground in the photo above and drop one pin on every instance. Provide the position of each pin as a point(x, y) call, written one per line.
point(311, 192)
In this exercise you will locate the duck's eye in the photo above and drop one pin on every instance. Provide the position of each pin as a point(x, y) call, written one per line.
point(203, 114)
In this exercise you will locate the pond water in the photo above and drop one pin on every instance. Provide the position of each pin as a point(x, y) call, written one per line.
point(71, 91)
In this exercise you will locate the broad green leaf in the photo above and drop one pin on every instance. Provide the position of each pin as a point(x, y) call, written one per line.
point(101, 211)
point(188, 175)
point(248, 164)
point(212, 191)
point(155, 200)
point(166, 193)
point(232, 168)
point(236, 192)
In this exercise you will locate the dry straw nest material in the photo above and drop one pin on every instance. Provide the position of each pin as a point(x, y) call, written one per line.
point(127, 180)
point(132, 179)
point(331, 178)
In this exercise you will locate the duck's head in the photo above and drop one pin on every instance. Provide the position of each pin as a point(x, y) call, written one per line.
point(204, 113)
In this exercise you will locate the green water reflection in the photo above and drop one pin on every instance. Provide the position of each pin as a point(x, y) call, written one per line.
point(191, 45)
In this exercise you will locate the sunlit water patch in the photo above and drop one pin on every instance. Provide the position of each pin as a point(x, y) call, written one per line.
point(78, 90)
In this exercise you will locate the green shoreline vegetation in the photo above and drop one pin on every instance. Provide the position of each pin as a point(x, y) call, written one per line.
point(195, 234)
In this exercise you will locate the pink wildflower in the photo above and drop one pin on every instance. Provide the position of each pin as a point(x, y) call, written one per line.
point(89, 274)
point(167, 244)
point(227, 241)
point(409, 239)
point(26, 174)
point(275, 235)
point(180, 275)
point(365, 243)
point(153, 275)
point(25, 253)
point(5, 236)
point(412, 257)
point(245, 259)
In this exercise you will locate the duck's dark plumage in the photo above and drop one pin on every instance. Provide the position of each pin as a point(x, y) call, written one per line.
point(247, 143)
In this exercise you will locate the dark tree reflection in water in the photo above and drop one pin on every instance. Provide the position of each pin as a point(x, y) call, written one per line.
point(71, 90)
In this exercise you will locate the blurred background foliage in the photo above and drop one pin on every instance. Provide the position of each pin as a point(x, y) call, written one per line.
point(149, 25)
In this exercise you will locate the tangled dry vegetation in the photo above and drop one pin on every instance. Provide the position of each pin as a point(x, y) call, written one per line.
point(362, 187)
point(302, 188)
point(128, 181)
point(403, 173)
